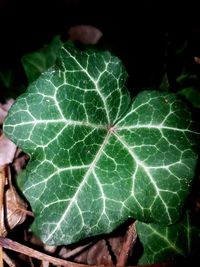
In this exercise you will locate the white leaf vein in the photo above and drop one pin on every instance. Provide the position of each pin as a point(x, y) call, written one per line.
point(95, 82)
point(79, 189)
point(146, 169)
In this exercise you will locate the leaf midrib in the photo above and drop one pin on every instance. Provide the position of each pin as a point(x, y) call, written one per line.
point(160, 127)
point(171, 245)
point(145, 168)
point(95, 82)
point(84, 181)
point(65, 121)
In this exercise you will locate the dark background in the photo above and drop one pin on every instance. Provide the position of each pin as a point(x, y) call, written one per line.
point(136, 31)
point(139, 32)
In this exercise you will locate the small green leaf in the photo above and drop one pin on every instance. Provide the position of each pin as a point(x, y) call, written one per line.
point(97, 159)
point(6, 78)
point(164, 86)
point(37, 62)
point(169, 243)
point(192, 94)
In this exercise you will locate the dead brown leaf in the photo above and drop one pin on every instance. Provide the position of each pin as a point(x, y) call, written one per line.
point(7, 150)
point(129, 241)
point(101, 252)
point(15, 210)
point(95, 254)
point(4, 109)
point(98, 254)
point(85, 34)
point(109, 251)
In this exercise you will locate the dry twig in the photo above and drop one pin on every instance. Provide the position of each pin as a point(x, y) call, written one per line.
point(8, 260)
point(12, 245)
point(15, 246)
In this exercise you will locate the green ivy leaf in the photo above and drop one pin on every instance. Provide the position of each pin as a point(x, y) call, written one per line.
point(97, 159)
point(192, 94)
point(171, 242)
point(39, 61)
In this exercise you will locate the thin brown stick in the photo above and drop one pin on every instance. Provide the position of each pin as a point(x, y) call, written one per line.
point(3, 182)
point(8, 260)
point(130, 240)
point(15, 246)
point(45, 264)
point(30, 260)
